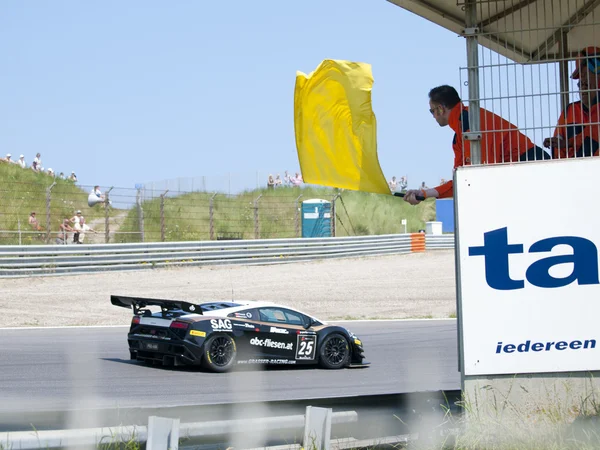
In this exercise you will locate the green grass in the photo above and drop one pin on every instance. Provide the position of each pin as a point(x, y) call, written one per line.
point(187, 217)
point(551, 423)
point(23, 191)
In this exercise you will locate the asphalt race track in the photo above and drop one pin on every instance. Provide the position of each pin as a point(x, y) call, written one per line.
point(77, 368)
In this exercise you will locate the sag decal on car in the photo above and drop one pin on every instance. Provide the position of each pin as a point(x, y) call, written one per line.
point(271, 344)
point(220, 324)
point(306, 347)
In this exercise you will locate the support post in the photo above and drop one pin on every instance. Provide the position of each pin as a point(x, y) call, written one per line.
point(317, 428)
point(107, 216)
point(211, 217)
point(256, 224)
point(333, 215)
point(140, 214)
point(471, 33)
point(48, 201)
point(298, 213)
point(163, 433)
point(162, 216)
point(563, 50)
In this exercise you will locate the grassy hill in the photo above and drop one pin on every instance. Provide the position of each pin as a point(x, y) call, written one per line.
point(23, 191)
point(187, 217)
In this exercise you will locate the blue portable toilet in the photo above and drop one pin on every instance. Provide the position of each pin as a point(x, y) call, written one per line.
point(444, 212)
point(316, 218)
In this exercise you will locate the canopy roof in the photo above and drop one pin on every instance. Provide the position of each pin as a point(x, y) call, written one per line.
point(525, 31)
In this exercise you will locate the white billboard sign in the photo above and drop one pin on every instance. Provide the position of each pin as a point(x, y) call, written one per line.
point(530, 290)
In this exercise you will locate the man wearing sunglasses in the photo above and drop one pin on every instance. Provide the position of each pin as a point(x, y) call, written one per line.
point(501, 141)
point(576, 133)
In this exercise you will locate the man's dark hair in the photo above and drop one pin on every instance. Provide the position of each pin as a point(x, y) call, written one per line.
point(445, 96)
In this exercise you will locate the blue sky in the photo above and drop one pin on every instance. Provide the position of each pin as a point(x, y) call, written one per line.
point(131, 92)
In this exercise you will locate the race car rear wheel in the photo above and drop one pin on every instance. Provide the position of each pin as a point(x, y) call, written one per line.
point(219, 353)
point(334, 352)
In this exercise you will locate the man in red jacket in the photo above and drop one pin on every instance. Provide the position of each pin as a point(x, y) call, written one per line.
point(576, 133)
point(501, 141)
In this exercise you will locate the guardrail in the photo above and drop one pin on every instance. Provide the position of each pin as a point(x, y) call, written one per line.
point(45, 260)
point(163, 433)
point(363, 421)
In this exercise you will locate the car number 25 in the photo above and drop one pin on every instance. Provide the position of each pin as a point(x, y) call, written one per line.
point(306, 347)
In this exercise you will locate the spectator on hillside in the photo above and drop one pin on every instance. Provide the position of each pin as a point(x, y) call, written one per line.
point(287, 179)
point(65, 228)
point(271, 182)
point(33, 222)
point(50, 171)
point(96, 196)
point(7, 159)
point(393, 184)
point(21, 161)
point(278, 181)
point(403, 183)
point(73, 177)
point(297, 180)
point(61, 175)
point(77, 220)
point(84, 228)
point(36, 166)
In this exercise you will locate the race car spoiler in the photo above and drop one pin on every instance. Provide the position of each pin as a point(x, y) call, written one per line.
point(138, 303)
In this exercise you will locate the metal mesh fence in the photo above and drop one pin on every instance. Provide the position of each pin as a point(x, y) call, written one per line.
point(521, 78)
point(124, 215)
point(48, 214)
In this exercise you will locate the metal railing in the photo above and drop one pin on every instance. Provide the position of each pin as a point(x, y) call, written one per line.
point(165, 433)
point(43, 260)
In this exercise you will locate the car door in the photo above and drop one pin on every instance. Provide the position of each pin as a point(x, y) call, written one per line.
point(244, 329)
point(282, 335)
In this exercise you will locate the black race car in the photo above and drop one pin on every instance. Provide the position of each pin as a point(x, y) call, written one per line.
point(220, 335)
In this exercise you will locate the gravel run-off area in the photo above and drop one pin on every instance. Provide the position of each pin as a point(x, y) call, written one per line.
point(415, 285)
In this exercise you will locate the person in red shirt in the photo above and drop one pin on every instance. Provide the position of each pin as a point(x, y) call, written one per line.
point(501, 141)
point(576, 133)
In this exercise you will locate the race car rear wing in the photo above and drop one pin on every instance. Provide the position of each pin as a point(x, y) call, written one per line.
point(138, 303)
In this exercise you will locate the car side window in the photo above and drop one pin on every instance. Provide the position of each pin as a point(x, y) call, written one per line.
point(294, 318)
point(279, 315)
point(272, 315)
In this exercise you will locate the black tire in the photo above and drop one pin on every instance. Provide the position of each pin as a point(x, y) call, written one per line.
point(220, 352)
point(334, 352)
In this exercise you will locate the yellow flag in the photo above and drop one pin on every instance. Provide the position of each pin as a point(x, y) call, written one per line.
point(336, 130)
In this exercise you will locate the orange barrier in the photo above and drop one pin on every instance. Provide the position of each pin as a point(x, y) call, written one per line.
point(417, 242)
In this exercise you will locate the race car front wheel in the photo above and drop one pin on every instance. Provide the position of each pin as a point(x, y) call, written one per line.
point(334, 352)
point(219, 353)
